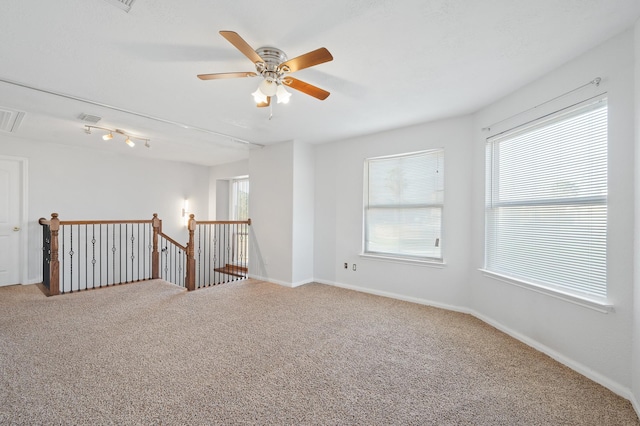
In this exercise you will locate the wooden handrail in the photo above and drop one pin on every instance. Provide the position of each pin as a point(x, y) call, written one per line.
point(225, 222)
point(172, 241)
point(43, 221)
point(101, 222)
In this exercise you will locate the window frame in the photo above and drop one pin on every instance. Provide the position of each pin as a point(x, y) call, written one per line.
point(233, 195)
point(395, 256)
point(591, 300)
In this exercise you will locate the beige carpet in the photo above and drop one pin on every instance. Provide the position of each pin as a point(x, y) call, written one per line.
point(256, 353)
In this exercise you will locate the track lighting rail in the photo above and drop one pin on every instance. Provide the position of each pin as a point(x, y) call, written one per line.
point(109, 135)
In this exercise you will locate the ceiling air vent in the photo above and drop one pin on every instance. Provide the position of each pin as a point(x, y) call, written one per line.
point(10, 120)
point(122, 4)
point(89, 118)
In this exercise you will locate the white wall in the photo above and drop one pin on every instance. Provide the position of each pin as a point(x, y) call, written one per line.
point(221, 200)
point(595, 344)
point(338, 214)
point(219, 187)
point(303, 214)
point(271, 212)
point(81, 184)
point(635, 361)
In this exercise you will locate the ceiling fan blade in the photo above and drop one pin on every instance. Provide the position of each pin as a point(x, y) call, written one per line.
point(307, 60)
point(264, 104)
point(307, 88)
point(226, 75)
point(233, 38)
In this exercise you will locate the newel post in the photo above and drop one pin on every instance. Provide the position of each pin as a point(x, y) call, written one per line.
point(54, 281)
point(190, 279)
point(155, 255)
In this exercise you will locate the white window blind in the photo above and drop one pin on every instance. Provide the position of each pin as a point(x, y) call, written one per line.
point(403, 205)
point(546, 215)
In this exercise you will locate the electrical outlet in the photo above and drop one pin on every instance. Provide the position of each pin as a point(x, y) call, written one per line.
point(354, 267)
point(346, 265)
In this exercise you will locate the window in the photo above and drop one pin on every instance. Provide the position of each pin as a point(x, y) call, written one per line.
point(239, 199)
point(403, 205)
point(546, 206)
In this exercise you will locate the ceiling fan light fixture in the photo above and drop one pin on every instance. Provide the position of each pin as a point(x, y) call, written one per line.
point(268, 87)
point(282, 94)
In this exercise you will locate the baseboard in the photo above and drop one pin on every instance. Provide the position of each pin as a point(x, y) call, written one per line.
point(396, 296)
point(613, 386)
point(282, 283)
point(635, 405)
point(579, 368)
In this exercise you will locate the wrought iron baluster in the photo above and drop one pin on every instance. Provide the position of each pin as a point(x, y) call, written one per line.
point(71, 257)
point(150, 247)
point(216, 256)
point(199, 258)
point(113, 251)
point(106, 246)
point(165, 250)
point(93, 254)
point(138, 246)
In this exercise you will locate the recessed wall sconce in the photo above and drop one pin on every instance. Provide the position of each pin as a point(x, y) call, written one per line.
point(185, 212)
point(109, 135)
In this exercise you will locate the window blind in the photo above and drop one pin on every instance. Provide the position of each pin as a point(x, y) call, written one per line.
point(403, 205)
point(546, 209)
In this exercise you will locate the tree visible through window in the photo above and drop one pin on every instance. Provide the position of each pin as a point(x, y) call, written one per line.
point(403, 203)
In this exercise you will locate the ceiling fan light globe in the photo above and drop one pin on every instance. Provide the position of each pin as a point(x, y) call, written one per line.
point(268, 87)
point(283, 95)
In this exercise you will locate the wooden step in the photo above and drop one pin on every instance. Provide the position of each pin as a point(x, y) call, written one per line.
point(235, 270)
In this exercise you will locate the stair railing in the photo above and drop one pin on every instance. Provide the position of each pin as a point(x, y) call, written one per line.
point(81, 255)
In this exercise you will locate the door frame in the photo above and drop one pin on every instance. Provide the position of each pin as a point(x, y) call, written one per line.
point(23, 271)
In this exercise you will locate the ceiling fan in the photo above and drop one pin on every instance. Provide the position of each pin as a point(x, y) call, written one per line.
point(274, 67)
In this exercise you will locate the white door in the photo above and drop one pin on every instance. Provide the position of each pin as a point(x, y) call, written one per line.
point(10, 209)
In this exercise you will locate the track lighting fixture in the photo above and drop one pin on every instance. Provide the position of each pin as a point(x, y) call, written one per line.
point(109, 135)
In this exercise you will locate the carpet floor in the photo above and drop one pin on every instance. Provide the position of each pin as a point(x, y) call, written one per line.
point(254, 353)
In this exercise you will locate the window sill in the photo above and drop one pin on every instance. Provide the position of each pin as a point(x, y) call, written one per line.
point(599, 305)
point(417, 262)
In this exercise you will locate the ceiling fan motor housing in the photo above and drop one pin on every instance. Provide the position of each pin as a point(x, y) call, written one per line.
point(273, 57)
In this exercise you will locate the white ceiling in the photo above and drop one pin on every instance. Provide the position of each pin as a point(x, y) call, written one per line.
point(395, 63)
